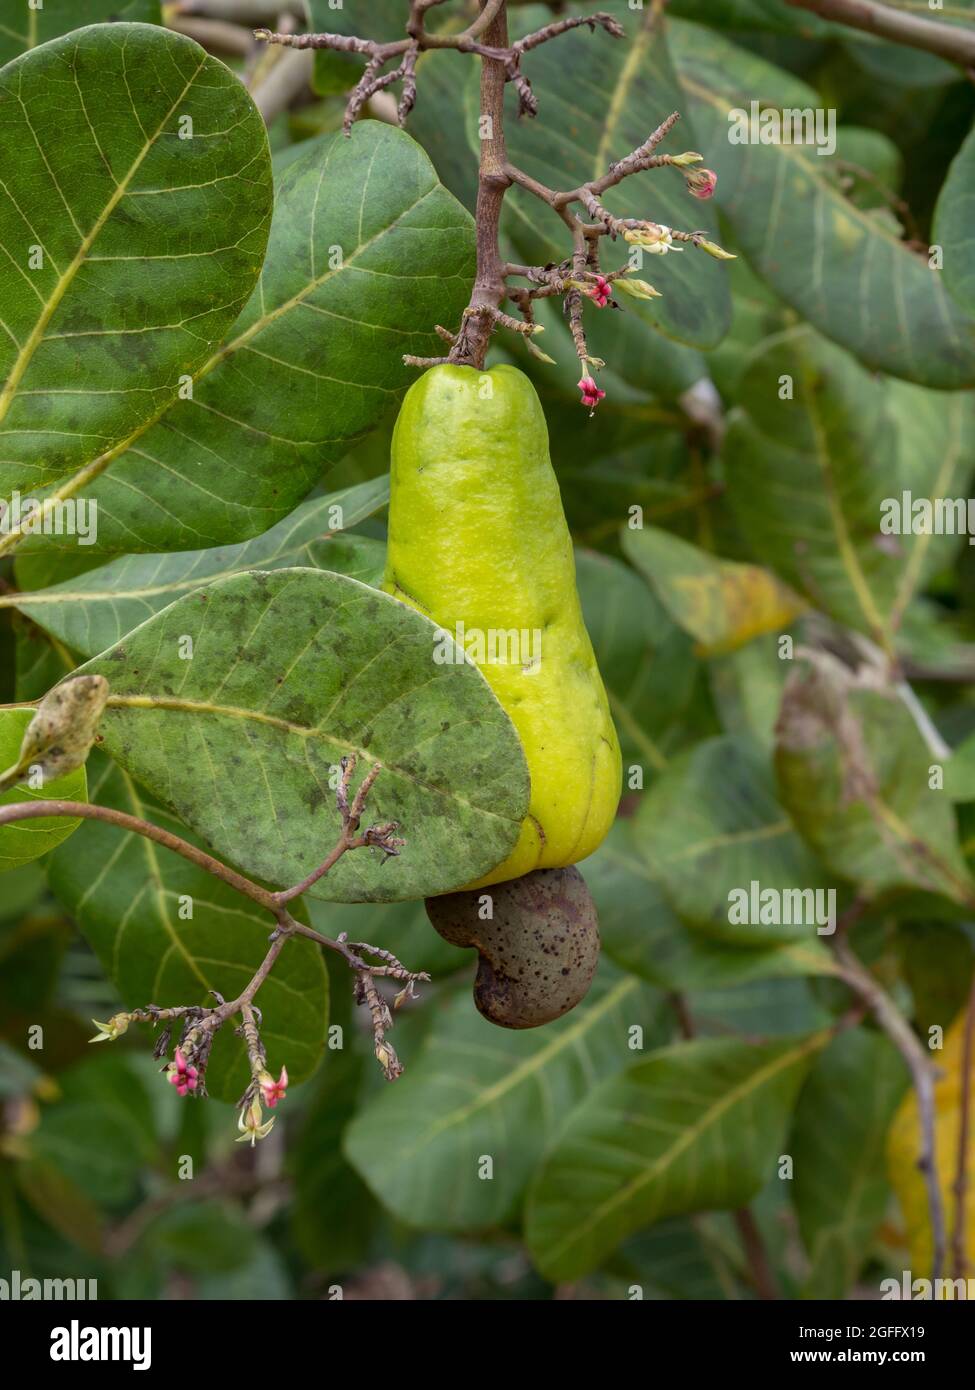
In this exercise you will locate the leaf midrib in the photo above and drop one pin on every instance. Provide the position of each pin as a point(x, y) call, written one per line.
point(687, 1136)
point(205, 707)
point(98, 465)
point(26, 354)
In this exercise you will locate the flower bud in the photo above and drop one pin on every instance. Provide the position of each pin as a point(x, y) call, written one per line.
point(637, 289)
point(591, 394)
point(111, 1030)
point(701, 182)
point(680, 161)
point(718, 252)
point(182, 1075)
point(272, 1091)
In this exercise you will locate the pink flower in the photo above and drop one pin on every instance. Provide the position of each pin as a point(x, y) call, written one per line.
point(600, 291)
point(700, 182)
point(591, 394)
point(182, 1075)
point(272, 1091)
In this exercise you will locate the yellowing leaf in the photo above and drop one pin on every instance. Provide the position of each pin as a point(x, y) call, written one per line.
point(722, 603)
point(903, 1146)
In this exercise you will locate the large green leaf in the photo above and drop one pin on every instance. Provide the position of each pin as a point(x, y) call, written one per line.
point(129, 896)
point(841, 267)
point(26, 840)
point(599, 99)
point(711, 825)
point(97, 609)
point(854, 773)
point(133, 228)
point(479, 1092)
point(694, 1127)
point(367, 253)
point(837, 1146)
point(24, 25)
point(809, 470)
point(290, 671)
point(642, 932)
point(953, 225)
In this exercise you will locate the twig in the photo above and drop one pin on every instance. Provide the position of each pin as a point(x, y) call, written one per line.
point(241, 11)
point(895, 1025)
point(955, 44)
point(200, 1024)
point(285, 81)
point(758, 1261)
point(215, 35)
point(959, 1251)
point(491, 24)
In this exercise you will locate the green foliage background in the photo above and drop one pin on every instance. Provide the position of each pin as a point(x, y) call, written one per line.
point(621, 1149)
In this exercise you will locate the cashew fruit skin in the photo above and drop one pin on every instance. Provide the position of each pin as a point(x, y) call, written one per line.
point(477, 535)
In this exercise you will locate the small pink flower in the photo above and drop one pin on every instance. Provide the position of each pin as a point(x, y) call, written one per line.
point(600, 291)
point(272, 1091)
point(183, 1076)
point(700, 182)
point(591, 394)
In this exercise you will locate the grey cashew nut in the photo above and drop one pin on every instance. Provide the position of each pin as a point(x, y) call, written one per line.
point(537, 951)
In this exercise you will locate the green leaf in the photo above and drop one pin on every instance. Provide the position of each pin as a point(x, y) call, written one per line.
point(97, 1147)
point(130, 898)
point(291, 671)
point(478, 1091)
point(711, 825)
point(809, 473)
point(841, 267)
point(26, 840)
point(333, 1213)
point(722, 603)
point(695, 1127)
point(98, 608)
point(60, 1202)
point(953, 224)
point(33, 24)
point(642, 933)
point(367, 253)
point(599, 99)
point(212, 1236)
point(937, 962)
point(646, 662)
point(837, 1146)
point(854, 771)
point(770, 16)
point(132, 238)
point(746, 686)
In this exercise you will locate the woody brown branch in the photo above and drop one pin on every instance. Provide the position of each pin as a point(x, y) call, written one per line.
point(491, 23)
point(956, 44)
